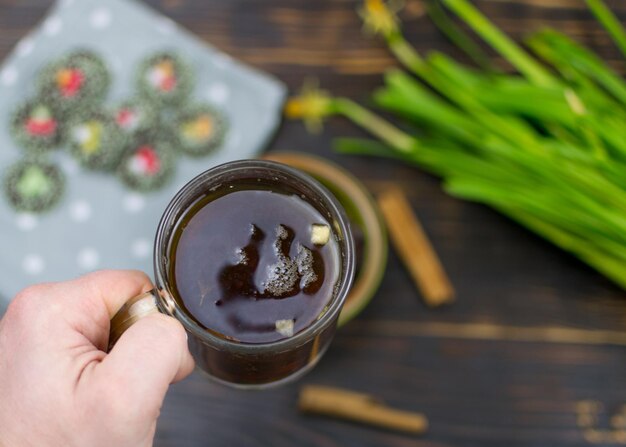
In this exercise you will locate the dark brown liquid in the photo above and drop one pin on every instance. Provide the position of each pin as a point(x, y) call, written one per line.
point(244, 266)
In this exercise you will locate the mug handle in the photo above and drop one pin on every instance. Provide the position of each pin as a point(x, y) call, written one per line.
point(132, 311)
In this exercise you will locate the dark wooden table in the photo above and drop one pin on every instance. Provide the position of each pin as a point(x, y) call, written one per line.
point(495, 369)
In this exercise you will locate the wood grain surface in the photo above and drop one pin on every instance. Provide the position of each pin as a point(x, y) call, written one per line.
point(533, 332)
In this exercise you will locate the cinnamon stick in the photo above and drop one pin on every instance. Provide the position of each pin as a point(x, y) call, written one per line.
point(358, 407)
point(414, 248)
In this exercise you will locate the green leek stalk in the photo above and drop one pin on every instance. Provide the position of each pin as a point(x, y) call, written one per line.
point(545, 148)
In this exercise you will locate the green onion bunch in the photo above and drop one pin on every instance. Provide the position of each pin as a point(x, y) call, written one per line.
point(545, 146)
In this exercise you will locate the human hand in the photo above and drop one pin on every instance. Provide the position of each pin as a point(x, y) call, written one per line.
point(59, 387)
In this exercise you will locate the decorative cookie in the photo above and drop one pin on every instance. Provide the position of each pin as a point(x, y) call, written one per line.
point(148, 164)
point(96, 141)
point(77, 81)
point(199, 129)
point(36, 126)
point(34, 186)
point(135, 115)
point(165, 78)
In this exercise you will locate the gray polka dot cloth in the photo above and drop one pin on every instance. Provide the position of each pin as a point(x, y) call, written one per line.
point(100, 223)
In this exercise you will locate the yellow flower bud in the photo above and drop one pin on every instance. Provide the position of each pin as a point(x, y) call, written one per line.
point(312, 105)
point(380, 17)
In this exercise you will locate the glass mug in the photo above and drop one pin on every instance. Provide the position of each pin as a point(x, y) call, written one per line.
point(234, 363)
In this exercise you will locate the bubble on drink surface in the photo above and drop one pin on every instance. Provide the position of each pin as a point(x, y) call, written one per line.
point(242, 257)
point(282, 277)
point(304, 260)
point(281, 233)
point(288, 276)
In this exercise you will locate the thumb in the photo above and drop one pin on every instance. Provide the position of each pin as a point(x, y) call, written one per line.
point(146, 359)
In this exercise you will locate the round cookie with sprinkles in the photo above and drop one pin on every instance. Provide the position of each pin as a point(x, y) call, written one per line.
point(96, 141)
point(199, 129)
point(165, 78)
point(37, 127)
point(34, 186)
point(135, 115)
point(148, 164)
point(74, 82)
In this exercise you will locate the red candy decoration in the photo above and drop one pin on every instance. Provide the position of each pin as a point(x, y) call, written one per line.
point(168, 84)
point(70, 80)
point(40, 127)
point(124, 117)
point(148, 159)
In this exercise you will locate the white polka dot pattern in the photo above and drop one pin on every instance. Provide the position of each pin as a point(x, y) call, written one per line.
point(134, 203)
point(88, 258)
point(218, 93)
point(141, 248)
point(9, 76)
point(25, 47)
point(80, 211)
point(52, 26)
point(100, 18)
point(165, 26)
point(33, 264)
point(26, 221)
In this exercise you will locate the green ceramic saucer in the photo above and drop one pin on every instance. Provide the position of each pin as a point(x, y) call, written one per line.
point(368, 227)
